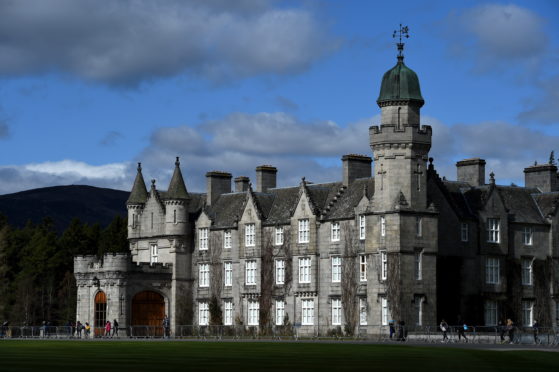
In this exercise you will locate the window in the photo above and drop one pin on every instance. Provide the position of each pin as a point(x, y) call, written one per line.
point(335, 232)
point(100, 309)
point(362, 227)
point(204, 275)
point(203, 239)
point(152, 220)
point(336, 269)
point(362, 268)
point(228, 279)
point(304, 231)
point(280, 272)
point(228, 312)
point(526, 264)
point(464, 232)
point(249, 235)
point(250, 272)
point(307, 312)
point(383, 265)
point(382, 226)
point(175, 216)
point(527, 313)
point(253, 313)
point(490, 312)
point(227, 239)
point(418, 264)
point(418, 226)
point(362, 311)
point(279, 236)
point(280, 312)
point(154, 253)
point(134, 220)
point(384, 310)
point(418, 302)
point(493, 226)
point(527, 235)
point(203, 314)
point(336, 311)
point(304, 270)
point(492, 270)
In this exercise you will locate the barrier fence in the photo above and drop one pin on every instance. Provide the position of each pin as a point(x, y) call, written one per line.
point(376, 333)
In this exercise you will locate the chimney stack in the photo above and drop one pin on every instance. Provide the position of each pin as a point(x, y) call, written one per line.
point(218, 183)
point(265, 178)
point(542, 177)
point(355, 166)
point(241, 183)
point(471, 171)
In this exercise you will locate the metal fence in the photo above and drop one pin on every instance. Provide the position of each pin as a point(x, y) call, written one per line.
point(374, 333)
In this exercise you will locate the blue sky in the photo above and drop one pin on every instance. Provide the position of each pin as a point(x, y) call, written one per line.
point(86, 92)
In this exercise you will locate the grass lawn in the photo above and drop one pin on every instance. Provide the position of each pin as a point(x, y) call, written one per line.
point(250, 356)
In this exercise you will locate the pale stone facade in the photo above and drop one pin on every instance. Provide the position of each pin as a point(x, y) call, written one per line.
point(419, 248)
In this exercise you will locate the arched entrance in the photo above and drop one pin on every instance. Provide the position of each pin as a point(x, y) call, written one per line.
point(148, 309)
point(100, 313)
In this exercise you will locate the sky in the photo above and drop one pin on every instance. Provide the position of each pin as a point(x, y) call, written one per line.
point(89, 88)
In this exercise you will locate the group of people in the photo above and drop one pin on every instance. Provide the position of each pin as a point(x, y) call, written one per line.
point(505, 328)
point(111, 327)
point(398, 329)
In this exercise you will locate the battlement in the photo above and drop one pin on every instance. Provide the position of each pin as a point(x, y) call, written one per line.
point(391, 133)
point(109, 262)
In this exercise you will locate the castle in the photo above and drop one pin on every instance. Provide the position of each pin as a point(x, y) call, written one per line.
point(400, 244)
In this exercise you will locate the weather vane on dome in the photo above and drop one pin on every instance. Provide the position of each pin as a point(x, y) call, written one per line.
point(402, 32)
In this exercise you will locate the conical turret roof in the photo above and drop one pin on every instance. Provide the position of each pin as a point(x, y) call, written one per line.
point(177, 188)
point(139, 193)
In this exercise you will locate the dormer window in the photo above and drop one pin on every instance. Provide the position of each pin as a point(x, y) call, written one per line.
point(304, 230)
point(335, 232)
point(203, 239)
point(493, 227)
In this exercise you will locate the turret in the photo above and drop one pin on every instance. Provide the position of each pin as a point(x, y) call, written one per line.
point(400, 145)
point(176, 203)
point(135, 203)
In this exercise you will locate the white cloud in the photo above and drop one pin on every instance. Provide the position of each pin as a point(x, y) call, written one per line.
point(239, 142)
point(498, 35)
point(126, 42)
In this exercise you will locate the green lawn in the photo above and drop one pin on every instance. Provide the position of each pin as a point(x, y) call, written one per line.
point(249, 356)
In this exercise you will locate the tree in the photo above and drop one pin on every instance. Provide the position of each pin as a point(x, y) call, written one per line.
point(216, 278)
point(349, 281)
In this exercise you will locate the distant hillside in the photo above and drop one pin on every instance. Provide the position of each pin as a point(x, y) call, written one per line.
point(63, 203)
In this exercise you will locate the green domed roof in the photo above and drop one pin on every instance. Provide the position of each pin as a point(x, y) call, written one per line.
point(400, 83)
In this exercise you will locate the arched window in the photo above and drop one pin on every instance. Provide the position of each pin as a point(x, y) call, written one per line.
point(100, 312)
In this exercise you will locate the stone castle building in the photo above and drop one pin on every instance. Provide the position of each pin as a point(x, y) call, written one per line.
point(396, 243)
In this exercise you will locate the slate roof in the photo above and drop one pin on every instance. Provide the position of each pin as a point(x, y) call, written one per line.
point(548, 202)
point(519, 201)
point(177, 188)
point(139, 193)
point(343, 207)
point(227, 209)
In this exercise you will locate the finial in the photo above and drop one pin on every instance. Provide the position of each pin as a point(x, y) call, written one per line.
point(552, 158)
point(430, 161)
point(535, 162)
point(177, 162)
point(139, 167)
point(402, 32)
point(153, 182)
point(492, 178)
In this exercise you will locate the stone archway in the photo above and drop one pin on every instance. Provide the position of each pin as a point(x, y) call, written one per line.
point(148, 309)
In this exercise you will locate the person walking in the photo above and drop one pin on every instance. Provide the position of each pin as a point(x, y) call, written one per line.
point(79, 327)
point(536, 328)
point(87, 329)
point(391, 328)
point(444, 329)
point(510, 330)
point(502, 330)
point(461, 328)
point(108, 329)
point(115, 328)
point(166, 327)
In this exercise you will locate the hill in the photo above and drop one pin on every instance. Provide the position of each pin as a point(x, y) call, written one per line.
point(62, 204)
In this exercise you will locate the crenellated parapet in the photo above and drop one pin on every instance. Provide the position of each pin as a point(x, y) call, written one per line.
point(389, 134)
